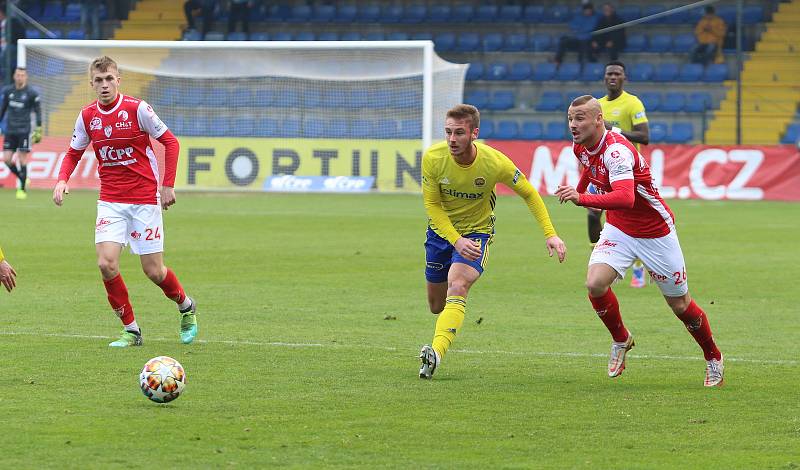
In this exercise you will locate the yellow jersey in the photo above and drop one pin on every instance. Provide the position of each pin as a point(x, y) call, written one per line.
point(460, 200)
point(625, 111)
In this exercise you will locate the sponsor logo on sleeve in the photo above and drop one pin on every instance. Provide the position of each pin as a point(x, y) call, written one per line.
point(639, 115)
point(615, 154)
point(516, 176)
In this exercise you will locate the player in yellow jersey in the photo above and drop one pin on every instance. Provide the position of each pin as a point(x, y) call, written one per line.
point(623, 113)
point(7, 274)
point(458, 180)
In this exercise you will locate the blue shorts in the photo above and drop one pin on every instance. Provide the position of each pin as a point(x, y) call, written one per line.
point(440, 254)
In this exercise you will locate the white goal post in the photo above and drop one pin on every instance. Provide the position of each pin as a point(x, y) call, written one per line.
point(312, 91)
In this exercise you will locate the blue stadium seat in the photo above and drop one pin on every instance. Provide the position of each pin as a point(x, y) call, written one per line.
point(501, 100)
point(506, 130)
point(477, 98)
point(674, 102)
point(277, 13)
point(533, 13)
point(652, 10)
point(792, 135)
point(375, 36)
point(485, 13)
point(361, 129)
point(690, 73)
point(439, 13)
point(666, 72)
point(698, 102)
point(312, 98)
point(328, 36)
point(385, 129)
point(214, 36)
point(550, 101)
point(541, 42)
point(263, 97)
point(299, 14)
point(475, 71)
point(515, 42)
point(557, 14)
point(568, 71)
point(291, 127)
point(629, 12)
point(410, 129)
point(715, 73)
point(444, 42)
point(422, 36)
point(337, 129)
point(727, 13)
point(486, 129)
point(682, 132)
point(416, 13)
point(636, 43)
point(323, 13)
point(33, 33)
point(267, 127)
point(680, 17)
point(660, 43)
point(520, 71)
point(571, 95)
point(752, 14)
point(305, 36)
point(241, 126)
point(397, 36)
point(52, 11)
point(684, 43)
point(350, 36)
point(492, 42)
point(237, 36)
point(641, 72)
point(658, 131)
point(369, 13)
point(282, 36)
point(593, 71)
point(462, 13)
point(509, 13)
point(287, 99)
point(651, 101)
point(216, 97)
point(468, 42)
point(346, 13)
point(314, 128)
point(72, 13)
point(531, 130)
point(76, 34)
point(259, 36)
point(556, 130)
point(544, 71)
point(496, 71)
point(359, 98)
point(391, 13)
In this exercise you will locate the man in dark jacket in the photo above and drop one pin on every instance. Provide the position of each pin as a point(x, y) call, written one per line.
point(612, 41)
point(580, 40)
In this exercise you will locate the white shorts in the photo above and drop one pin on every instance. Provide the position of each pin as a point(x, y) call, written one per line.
point(662, 257)
point(137, 224)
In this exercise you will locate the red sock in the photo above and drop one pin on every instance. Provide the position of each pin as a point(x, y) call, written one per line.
point(118, 298)
point(607, 308)
point(696, 322)
point(172, 287)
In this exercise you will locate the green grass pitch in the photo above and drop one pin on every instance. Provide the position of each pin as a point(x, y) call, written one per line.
point(312, 311)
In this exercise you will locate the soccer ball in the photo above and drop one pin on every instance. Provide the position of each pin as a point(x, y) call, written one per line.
point(162, 379)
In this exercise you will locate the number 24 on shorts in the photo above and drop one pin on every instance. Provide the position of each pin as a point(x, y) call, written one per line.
point(152, 234)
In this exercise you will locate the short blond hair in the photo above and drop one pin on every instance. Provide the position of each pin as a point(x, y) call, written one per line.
point(103, 64)
point(466, 111)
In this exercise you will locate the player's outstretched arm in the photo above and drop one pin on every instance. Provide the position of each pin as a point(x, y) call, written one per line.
point(59, 191)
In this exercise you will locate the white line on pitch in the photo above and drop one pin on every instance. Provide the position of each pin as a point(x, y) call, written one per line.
point(784, 362)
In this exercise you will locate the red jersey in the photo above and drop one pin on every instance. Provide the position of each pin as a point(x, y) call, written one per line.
point(120, 136)
point(614, 158)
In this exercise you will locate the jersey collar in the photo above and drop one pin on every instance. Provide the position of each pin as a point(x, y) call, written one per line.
point(110, 111)
point(596, 149)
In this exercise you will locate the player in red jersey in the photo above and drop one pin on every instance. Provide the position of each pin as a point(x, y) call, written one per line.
point(638, 224)
point(119, 128)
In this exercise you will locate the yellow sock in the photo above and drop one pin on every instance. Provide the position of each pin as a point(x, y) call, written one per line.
point(448, 323)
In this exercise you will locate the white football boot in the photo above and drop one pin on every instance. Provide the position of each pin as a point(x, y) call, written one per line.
point(616, 360)
point(714, 371)
point(430, 360)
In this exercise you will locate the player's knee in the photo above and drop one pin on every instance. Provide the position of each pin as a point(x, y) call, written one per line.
point(108, 267)
point(458, 287)
point(155, 273)
point(436, 305)
point(596, 287)
point(679, 304)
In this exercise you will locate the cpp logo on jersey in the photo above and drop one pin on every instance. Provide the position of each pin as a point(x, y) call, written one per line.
point(95, 124)
point(123, 115)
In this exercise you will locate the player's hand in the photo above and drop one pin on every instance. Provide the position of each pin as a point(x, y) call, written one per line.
point(555, 244)
point(8, 277)
point(37, 135)
point(167, 197)
point(467, 248)
point(567, 193)
point(59, 191)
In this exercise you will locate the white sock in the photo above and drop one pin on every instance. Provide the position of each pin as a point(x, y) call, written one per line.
point(132, 326)
point(187, 302)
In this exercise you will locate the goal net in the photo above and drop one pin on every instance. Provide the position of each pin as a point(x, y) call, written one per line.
point(248, 112)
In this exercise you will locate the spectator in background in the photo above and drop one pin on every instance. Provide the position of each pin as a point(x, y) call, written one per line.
point(240, 11)
point(90, 18)
point(710, 32)
point(580, 40)
point(8, 52)
point(202, 9)
point(612, 41)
